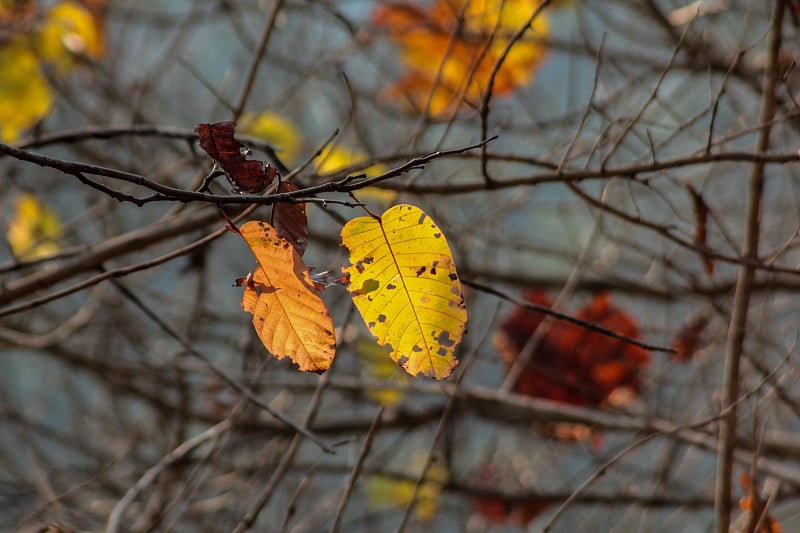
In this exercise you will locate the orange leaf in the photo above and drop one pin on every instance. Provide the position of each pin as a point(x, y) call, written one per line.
point(450, 49)
point(289, 316)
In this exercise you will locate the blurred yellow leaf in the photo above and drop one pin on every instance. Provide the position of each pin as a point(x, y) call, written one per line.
point(289, 316)
point(34, 229)
point(335, 158)
point(385, 491)
point(24, 93)
point(276, 130)
point(405, 285)
point(376, 364)
point(69, 29)
point(451, 49)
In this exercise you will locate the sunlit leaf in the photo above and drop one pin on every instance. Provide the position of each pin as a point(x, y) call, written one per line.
point(388, 492)
point(34, 228)
point(276, 130)
point(24, 92)
point(376, 364)
point(405, 285)
point(69, 29)
point(289, 316)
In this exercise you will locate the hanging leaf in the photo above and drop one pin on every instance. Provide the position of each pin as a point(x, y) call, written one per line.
point(246, 176)
point(700, 225)
point(290, 220)
point(289, 316)
point(405, 285)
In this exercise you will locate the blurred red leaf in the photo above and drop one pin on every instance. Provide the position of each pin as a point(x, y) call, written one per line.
point(572, 364)
point(700, 225)
point(246, 176)
point(290, 220)
point(690, 338)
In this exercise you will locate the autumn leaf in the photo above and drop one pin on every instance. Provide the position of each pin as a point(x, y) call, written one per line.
point(276, 130)
point(451, 49)
point(700, 225)
point(290, 220)
point(246, 176)
point(289, 316)
point(386, 491)
point(572, 364)
point(753, 507)
point(25, 96)
point(690, 338)
point(404, 283)
point(34, 229)
point(69, 30)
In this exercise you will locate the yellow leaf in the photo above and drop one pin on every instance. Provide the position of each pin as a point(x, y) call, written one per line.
point(376, 364)
point(289, 316)
point(276, 130)
point(336, 158)
point(69, 30)
point(34, 229)
point(404, 283)
point(24, 93)
point(385, 491)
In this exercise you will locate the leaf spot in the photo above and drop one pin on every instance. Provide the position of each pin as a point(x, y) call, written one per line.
point(381, 318)
point(444, 339)
point(453, 276)
point(421, 218)
point(416, 349)
point(421, 271)
point(370, 285)
point(391, 286)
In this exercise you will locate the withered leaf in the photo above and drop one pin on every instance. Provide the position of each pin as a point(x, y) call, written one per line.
point(246, 176)
point(290, 220)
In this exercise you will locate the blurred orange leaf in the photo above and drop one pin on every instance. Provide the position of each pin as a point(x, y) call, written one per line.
point(404, 283)
point(451, 48)
point(753, 507)
point(289, 316)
